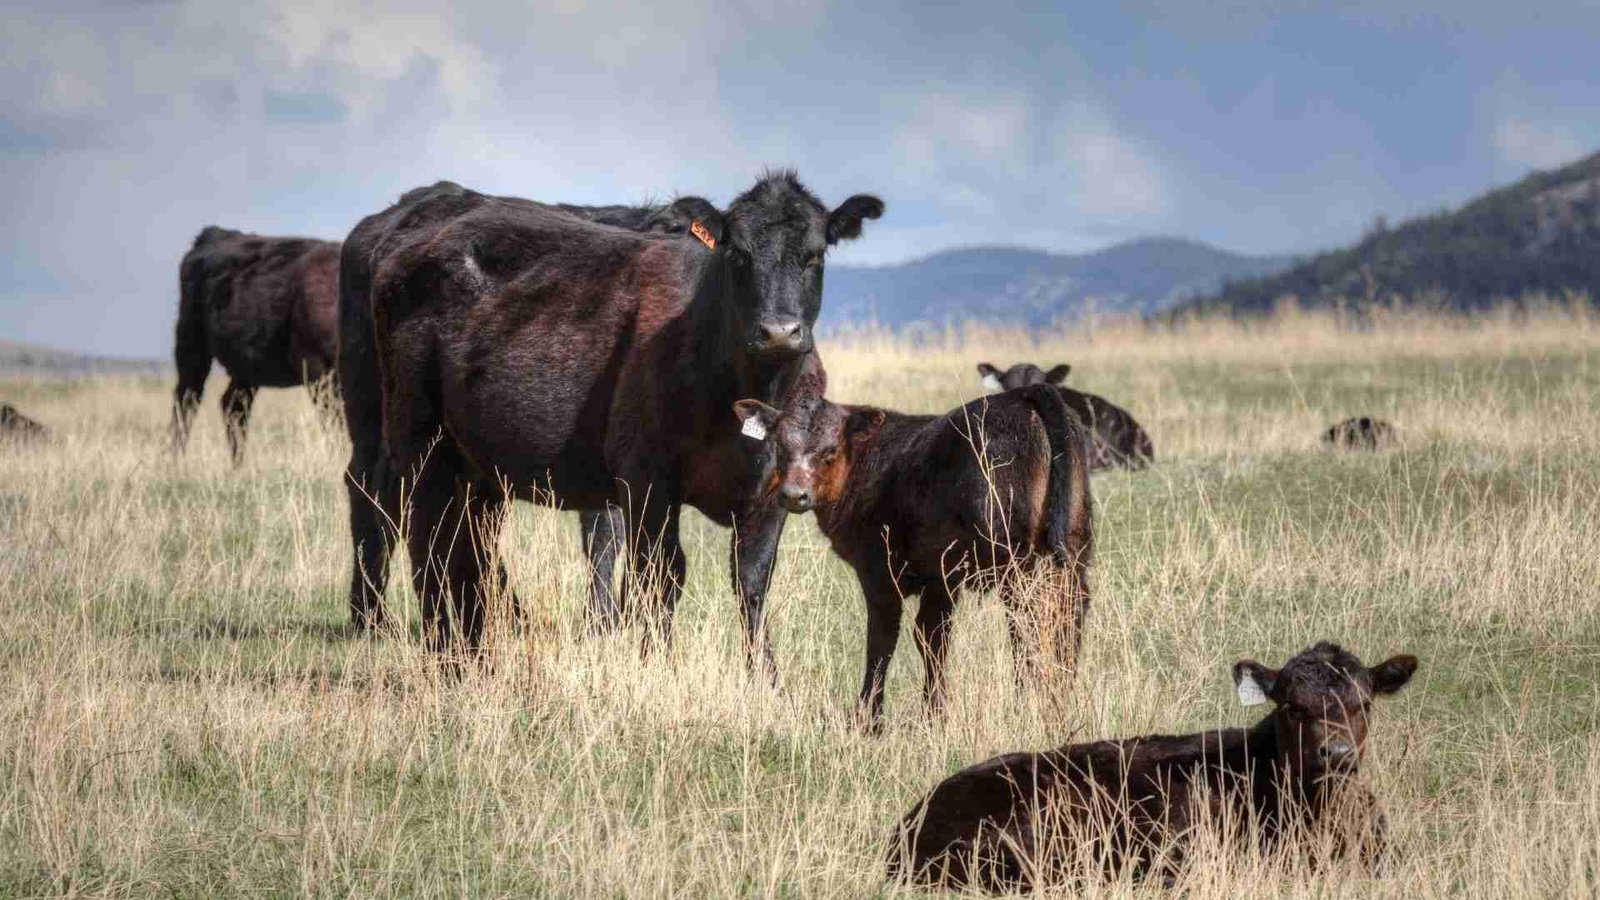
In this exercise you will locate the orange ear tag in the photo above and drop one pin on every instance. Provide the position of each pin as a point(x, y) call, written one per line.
point(703, 233)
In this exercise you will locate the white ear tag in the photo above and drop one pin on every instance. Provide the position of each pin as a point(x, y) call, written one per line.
point(992, 383)
point(1250, 692)
point(754, 429)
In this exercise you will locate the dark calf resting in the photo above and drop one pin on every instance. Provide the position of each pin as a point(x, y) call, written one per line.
point(1023, 820)
point(16, 426)
point(1119, 440)
point(263, 307)
point(1361, 433)
point(924, 505)
point(496, 348)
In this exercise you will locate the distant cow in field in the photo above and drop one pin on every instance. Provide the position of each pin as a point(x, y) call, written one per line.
point(263, 307)
point(494, 348)
point(1119, 440)
point(1361, 433)
point(1025, 820)
point(16, 426)
point(925, 505)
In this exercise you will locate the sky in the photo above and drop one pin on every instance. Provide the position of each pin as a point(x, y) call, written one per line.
point(128, 125)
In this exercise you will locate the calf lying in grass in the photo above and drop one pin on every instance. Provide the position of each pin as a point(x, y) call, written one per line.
point(1119, 440)
point(1027, 819)
point(15, 425)
point(1360, 433)
point(994, 492)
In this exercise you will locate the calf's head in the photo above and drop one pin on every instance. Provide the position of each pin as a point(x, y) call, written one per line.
point(770, 245)
point(814, 444)
point(1321, 700)
point(1020, 375)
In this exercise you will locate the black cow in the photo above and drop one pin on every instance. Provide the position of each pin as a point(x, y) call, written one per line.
point(1119, 440)
point(265, 308)
point(496, 348)
point(1026, 820)
point(925, 505)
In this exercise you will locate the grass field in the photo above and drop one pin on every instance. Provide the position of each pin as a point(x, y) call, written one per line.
point(183, 711)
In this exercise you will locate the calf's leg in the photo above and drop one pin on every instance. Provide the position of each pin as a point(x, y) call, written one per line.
point(934, 613)
point(884, 608)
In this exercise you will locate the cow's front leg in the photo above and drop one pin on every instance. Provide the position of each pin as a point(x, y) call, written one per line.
point(754, 556)
point(658, 566)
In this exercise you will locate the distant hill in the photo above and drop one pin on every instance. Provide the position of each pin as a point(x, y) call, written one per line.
point(18, 359)
point(1541, 234)
point(1032, 287)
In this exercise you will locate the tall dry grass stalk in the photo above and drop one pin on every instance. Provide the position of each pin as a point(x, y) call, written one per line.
point(183, 710)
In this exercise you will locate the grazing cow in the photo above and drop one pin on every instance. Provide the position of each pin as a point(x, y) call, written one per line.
point(1362, 433)
point(1118, 439)
point(1024, 820)
point(16, 426)
point(495, 348)
point(264, 307)
point(924, 505)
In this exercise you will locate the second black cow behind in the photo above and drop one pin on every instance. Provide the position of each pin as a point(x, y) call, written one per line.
point(924, 505)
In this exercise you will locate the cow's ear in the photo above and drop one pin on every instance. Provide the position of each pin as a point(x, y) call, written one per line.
point(677, 216)
point(1058, 374)
point(863, 424)
point(844, 223)
point(758, 418)
point(1392, 674)
point(990, 376)
point(1254, 682)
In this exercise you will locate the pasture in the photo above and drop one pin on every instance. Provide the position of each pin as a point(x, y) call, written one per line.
point(184, 710)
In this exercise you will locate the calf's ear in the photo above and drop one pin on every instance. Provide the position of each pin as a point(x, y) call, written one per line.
point(1392, 674)
point(1058, 374)
point(757, 417)
point(1254, 682)
point(991, 377)
point(863, 424)
point(844, 223)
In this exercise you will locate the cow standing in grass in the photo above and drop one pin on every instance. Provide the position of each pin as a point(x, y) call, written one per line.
point(263, 307)
point(925, 505)
point(496, 348)
point(1025, 820)
point(1119, 440)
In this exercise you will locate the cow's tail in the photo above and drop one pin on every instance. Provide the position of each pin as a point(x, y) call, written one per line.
point(191, 346)
point(1069, 516)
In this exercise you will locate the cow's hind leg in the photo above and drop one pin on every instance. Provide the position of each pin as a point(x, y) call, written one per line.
point(452, 533)
point(604, 534)
point(236, 403)
point(374, 517)
point(193, 358)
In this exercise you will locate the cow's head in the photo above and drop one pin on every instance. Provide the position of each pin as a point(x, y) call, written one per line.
point(770, 244)
point(1321, 701)
point(1020, 375)
point(814, 445)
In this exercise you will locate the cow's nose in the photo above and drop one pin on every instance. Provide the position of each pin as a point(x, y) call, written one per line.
point(784, 334)
point(797, 499)
point(1338, 752)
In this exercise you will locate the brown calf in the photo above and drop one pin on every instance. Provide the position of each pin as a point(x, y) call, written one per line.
point(924, 505)
point(1026, 819)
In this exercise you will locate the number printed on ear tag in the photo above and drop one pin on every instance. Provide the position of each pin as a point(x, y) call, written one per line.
point(754, 429)
point(1250, 693)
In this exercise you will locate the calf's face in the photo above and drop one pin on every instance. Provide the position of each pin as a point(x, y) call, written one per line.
point(773, 239)
point(813, 443)
point(1020, 375)
point(1322, 699)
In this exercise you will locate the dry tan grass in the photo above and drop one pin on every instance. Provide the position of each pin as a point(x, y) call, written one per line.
point(182, 711)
